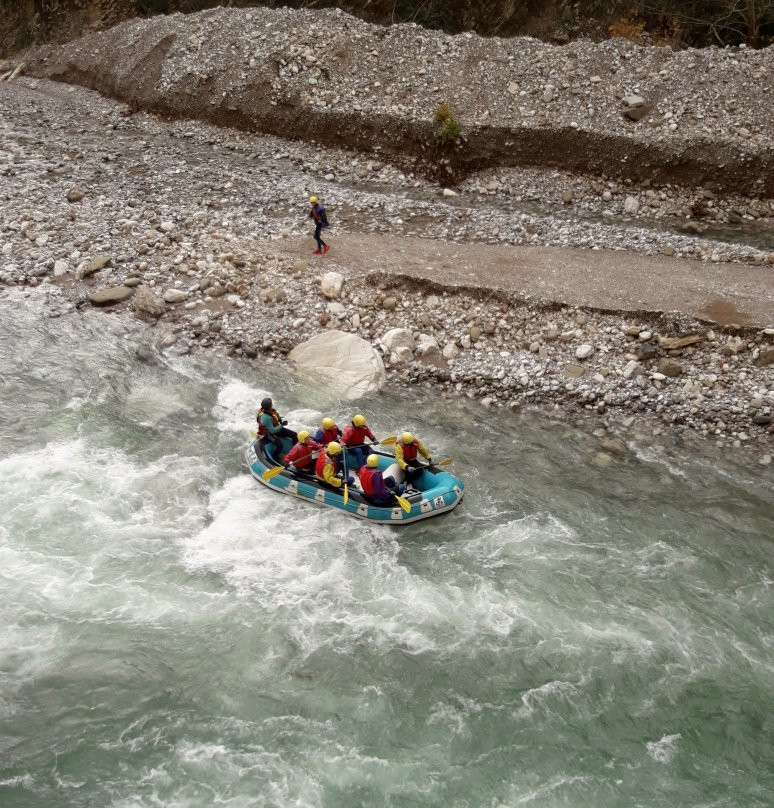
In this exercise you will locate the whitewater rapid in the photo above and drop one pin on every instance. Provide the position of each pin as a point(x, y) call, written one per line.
point(173, 633)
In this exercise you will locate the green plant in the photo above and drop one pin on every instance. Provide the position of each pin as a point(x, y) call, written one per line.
point(450, 128)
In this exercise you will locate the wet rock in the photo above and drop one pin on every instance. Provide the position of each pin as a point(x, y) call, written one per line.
point(761, 419)
point(474, 333)
point(110, 295)
point(574, 371)
point(146, 302)
point(75, 194)
point(389, 303)
point(331, 285)
point(669, 367)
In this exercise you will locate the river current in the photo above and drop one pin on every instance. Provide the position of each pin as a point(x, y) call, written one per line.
point(174, 634)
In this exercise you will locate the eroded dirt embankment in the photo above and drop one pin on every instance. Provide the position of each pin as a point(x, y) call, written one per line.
point(329, 78)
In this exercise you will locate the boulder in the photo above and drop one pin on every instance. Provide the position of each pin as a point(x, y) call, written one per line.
point(147, 302)
point(331, 284)
point(669, 367)
point(398, 338)
point(674, 343)
point(350, 363)
point(90, 267)
point(765, 357)
point(584, 351)
point(110, 295)
point(75, 194)
point(631, 205)
point(574, 371)
point(635, 107)
point(427, 348)
point(175, 295)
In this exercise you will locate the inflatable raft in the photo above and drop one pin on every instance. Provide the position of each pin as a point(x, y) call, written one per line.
point(436, 491)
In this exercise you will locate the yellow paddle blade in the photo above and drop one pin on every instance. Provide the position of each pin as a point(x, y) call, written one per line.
point(346, 493)
point(253, 433)
point(404, 503)
point(447, 462)
point(388, 441)
point(269, 473)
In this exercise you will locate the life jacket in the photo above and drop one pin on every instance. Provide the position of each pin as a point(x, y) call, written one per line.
point(366, 476)
point(355, 435)
point(330, 434)
point(275, 417)
point(322, 461)
point(302, 455)
point(319, 215)
point(410, 450)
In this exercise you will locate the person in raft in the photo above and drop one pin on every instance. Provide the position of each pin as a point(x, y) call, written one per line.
point(406, 450)
point(320, 218)
point(271, 427)
point(327, 467)
point(354, 438)
point(378, 488)
point(328, 432)
point(303, 455)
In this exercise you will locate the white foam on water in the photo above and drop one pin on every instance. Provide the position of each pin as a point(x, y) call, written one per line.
point(70, 513)
point(238, 402)
point(663, 750)
point(542, 698)
point(328, 579)
point(650, 455)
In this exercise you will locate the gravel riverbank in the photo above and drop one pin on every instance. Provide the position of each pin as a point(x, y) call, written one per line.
point(202, 231)
point(691, 117)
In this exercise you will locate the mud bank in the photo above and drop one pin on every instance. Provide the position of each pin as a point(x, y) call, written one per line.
point(326, 77)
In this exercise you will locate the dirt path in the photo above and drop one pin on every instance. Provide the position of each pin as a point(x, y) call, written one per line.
point(599, 279)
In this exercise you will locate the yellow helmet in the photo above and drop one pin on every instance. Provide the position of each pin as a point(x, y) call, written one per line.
point(334, 448)
point(303, 436)
point(359, 420)
point(373, 461)
point(313, 199)
point(328, 423)
point(407, 437)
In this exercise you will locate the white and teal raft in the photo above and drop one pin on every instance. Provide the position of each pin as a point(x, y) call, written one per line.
point(435, 491)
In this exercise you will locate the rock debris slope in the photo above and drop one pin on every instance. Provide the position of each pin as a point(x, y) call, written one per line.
point(696, 117)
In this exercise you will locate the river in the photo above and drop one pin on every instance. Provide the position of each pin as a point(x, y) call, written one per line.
point(174, 634)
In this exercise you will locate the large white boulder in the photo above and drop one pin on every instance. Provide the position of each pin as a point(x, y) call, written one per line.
point(351, 364)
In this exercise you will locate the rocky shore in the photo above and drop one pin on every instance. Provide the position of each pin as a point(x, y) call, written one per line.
point(202, 232)
point(636, 113)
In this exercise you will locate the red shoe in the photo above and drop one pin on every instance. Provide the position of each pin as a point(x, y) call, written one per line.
point(326, 247)
point(316, 252)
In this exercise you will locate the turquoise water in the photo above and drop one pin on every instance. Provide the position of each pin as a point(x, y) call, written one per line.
point(174, 634)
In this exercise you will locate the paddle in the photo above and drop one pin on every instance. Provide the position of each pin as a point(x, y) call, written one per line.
point(404, 503)
point(346, 487)
point(269, 473)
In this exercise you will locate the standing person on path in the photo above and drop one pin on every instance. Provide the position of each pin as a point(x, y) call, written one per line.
point(320, 219)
